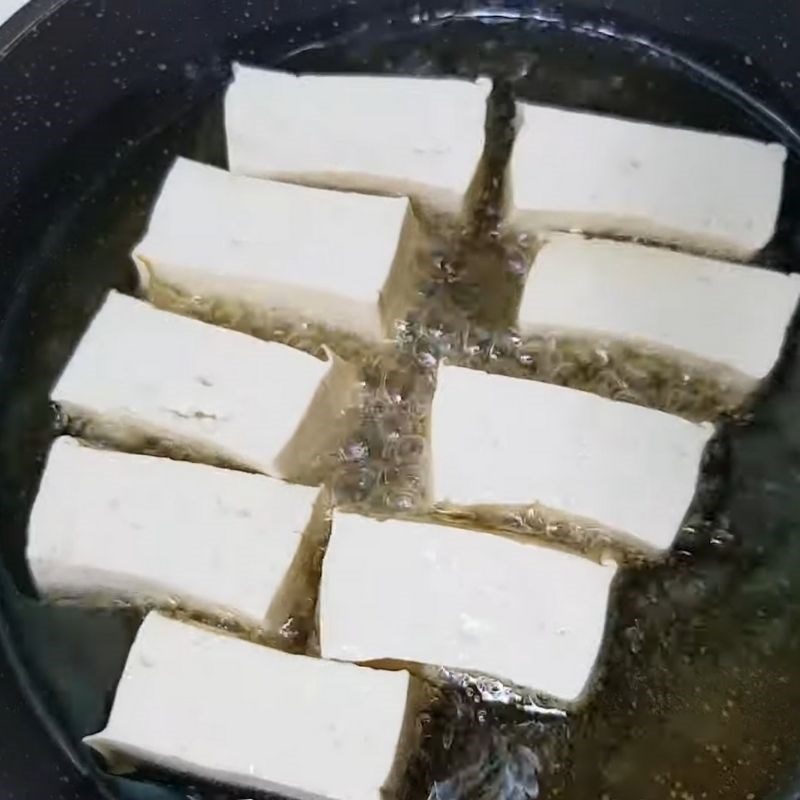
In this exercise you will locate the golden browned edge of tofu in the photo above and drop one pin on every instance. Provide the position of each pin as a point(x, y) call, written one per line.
point(536, 524)
point(294, 608)
point(129, 435)
point(307, 456)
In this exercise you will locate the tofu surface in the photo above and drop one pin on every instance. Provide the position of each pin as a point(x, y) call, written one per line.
point(421, 137)
point(116, 526)
point(206, 393)
point(723, 313)
point(598, 174)
point(337, 259)
point(429, 594)
point(203, 703)
point(505, 441)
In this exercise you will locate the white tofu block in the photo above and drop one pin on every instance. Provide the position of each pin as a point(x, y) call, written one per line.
point(196, 701)
point(115, 526)
point(717, 312)
point(428, 594)
point(336, 259)
point(203, 392)
point(603, 175)
point(421, 137)
point(506, 441)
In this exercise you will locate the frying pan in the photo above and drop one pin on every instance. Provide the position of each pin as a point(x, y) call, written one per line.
point(699, 683)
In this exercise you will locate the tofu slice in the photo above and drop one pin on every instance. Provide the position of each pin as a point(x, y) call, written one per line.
point(199, 702)
point(726, 315)
point(508, 442)
point(597, 174)
point(421, 137)
point(419, 593)
point(145, 379)
point(114, 526)
point(335, 259)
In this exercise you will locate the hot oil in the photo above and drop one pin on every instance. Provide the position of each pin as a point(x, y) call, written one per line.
point(701, 665)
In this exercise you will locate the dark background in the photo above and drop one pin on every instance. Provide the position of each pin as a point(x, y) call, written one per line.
point(750, 41)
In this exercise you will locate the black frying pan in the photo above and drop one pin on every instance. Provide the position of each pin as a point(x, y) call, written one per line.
point(700, 680)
